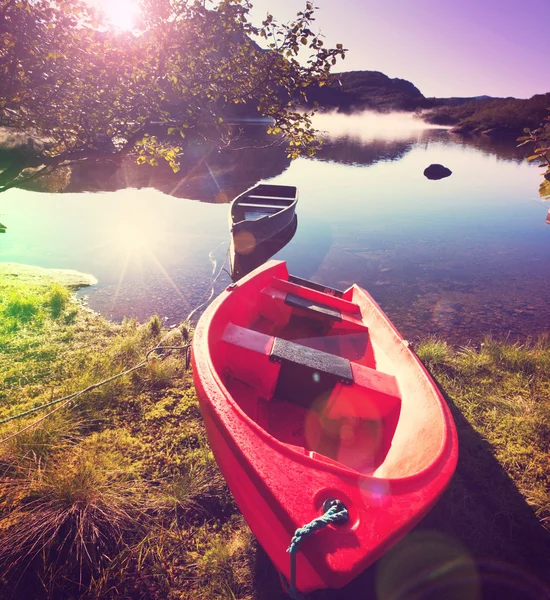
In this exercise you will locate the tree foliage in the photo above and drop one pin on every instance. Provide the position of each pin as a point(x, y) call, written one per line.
point(88, 91)
point(540, 139)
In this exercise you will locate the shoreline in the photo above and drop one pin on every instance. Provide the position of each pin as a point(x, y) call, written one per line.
point(24, 273)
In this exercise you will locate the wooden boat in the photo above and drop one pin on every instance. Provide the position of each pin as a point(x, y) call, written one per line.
point(310, 394)
point(261, 213)
point(241, 264)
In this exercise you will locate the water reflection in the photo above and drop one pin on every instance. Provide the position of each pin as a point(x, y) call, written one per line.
point(504, 150)
point(350, 151)
point(243, 263)
point(459, 257)
point(207, 173)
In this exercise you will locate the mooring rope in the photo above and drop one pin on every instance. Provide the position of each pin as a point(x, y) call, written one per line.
point(213, 278)
point(336, 512)
point(67, 399)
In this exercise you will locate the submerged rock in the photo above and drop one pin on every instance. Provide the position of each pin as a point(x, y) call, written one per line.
point(437, 172)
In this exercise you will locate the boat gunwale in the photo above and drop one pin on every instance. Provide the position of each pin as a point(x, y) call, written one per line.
point(241, 197)
point(449, 443)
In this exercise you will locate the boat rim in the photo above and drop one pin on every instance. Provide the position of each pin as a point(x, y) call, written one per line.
point(448, 443)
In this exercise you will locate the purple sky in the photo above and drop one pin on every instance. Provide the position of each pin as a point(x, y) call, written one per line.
point(445, 47)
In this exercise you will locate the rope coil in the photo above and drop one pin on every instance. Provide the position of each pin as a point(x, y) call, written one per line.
point(335, 512)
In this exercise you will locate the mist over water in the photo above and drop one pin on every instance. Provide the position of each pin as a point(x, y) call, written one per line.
point(369, 126)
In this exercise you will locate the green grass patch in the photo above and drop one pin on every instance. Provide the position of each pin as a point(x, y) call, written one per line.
point(119, 490)
point(504, 392)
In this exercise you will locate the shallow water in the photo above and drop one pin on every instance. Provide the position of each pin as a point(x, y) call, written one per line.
point(461, 257)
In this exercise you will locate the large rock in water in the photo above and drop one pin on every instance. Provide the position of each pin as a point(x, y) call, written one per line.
point(437, 172)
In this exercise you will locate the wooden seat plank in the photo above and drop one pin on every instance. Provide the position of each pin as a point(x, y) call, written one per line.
point(314, 307)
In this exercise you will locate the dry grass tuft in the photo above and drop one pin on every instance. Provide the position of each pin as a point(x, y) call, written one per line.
point(73, 511)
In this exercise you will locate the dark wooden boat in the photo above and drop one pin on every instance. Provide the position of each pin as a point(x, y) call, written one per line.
point(261, 213)
point(243, 263)
point(310, 394)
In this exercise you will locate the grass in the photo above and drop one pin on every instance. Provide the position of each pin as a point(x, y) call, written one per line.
point(118, 495)
point(503, 390)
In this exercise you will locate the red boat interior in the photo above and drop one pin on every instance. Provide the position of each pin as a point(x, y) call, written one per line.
point(300, 361)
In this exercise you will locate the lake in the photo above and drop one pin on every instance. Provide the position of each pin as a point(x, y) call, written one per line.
point(459, 258)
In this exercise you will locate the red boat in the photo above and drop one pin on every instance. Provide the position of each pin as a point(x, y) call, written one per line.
point(310, 394)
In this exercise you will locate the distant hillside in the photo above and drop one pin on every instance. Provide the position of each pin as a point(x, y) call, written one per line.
point(362, 90)
point(355, 91)
point(497, 117)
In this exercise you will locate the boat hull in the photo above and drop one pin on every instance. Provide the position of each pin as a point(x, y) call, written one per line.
point(281, 477)
point(260, 214)
point(240, 264)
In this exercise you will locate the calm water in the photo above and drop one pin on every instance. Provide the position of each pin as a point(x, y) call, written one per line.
point(460, 257)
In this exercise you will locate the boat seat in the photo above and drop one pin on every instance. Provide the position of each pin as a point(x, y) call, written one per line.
point(283, 300)
point(306, 374)
point(256, 215)
point(318, 296)
point(311, 306)
point(351, 390)
point(324, 289)
point(252, 205)
point(257, 197)
point(336, 367)
point(300, 374)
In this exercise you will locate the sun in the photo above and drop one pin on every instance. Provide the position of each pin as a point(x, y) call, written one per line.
point(122, 14)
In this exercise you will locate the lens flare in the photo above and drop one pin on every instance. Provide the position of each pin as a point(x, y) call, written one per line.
point(244, 241)
point(122, 14)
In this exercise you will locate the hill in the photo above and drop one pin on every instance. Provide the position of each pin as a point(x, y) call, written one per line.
point(356, 91)
point(362, 90)
point(497, 117)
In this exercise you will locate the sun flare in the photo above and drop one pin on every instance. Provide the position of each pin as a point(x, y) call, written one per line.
point(122, 14)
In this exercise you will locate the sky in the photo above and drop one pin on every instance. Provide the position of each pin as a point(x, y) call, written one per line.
point(444, 47)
